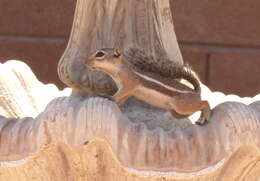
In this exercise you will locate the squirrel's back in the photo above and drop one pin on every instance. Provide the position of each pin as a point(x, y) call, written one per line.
point(164, 67)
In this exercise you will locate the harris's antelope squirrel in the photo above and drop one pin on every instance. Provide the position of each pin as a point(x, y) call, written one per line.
point(144, 81)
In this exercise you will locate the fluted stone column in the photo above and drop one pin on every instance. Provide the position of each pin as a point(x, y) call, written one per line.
point(144, 24)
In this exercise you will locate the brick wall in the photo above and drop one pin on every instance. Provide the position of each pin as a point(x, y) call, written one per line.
point(221, 39)
point(37, 33)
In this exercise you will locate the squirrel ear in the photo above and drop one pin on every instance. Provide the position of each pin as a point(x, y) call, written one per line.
point(117, 53)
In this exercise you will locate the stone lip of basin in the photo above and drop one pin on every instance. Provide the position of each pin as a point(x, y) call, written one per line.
point(72, 130)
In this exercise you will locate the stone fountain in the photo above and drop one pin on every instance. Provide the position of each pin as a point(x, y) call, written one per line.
point(77, 134)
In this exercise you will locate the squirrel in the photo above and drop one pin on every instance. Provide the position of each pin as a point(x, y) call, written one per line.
point(152, 81)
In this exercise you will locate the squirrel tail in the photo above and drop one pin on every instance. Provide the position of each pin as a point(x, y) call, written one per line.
point(188, 74)
point(162, 66)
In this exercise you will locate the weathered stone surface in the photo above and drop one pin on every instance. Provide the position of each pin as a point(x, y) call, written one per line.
point(90, 139)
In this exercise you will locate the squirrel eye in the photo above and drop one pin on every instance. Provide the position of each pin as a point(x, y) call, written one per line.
point(100, 54)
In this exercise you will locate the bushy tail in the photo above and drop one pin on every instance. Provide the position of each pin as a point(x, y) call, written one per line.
point(188, 74)
point(140, 60)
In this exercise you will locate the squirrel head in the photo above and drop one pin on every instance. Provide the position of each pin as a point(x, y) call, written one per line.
point(105, 59)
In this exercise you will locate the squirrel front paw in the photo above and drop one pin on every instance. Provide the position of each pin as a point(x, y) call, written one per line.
point(117, 100)
point(108, 97)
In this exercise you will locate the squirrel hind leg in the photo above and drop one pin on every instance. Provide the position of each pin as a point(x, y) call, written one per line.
point(177, 115)
point(205, 114)
point(184, 110)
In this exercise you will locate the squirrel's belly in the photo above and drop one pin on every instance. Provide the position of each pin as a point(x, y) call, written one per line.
point(153, 97)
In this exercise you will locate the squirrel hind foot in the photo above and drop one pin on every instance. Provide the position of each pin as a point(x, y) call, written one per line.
point(204, 119)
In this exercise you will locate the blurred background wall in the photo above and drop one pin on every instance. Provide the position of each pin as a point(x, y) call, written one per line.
point(220, 39)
